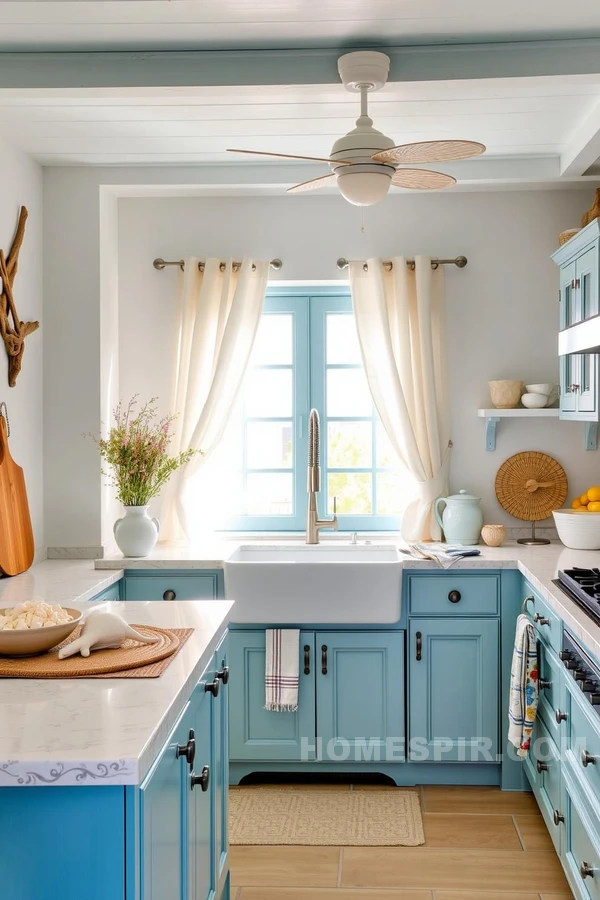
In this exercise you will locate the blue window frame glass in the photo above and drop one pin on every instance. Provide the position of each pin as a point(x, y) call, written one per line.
point(306, 355)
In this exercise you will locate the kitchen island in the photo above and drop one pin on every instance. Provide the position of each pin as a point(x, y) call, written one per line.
point(116, 788)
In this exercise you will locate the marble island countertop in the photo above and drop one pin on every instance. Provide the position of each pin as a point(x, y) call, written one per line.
point(83, 731)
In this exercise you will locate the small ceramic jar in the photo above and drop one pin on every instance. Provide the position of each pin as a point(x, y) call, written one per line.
point(493, 535)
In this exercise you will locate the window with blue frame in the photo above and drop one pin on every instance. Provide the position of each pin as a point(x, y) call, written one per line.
point(307, 355)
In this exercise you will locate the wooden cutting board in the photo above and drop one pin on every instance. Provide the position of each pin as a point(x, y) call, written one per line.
point(16, 536)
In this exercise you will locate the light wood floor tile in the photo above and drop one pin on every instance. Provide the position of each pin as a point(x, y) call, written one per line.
point(336, 894)
point(476, 832)
point(484, 895)
point(284, 866)
point(385, 787)
point(474, 800)
point(534, 833)
point(450, 869)
point(556, 896)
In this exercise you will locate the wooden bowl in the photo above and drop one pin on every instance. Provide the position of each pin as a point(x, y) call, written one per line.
point(33, 641)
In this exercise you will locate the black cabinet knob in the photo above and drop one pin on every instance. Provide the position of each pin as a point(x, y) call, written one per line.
point(169, 595)
point(560, 716)
point(188, 750)
point(557, 817)
point(224, 674)
point(203, 780)
point(212, 687)
point(541, 766)
point(565, 655)
point(587, 759)
point(586, 871)
point(544, 685)
point(454, 596)
point(541, 620)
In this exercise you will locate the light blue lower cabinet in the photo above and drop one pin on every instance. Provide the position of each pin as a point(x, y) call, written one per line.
point(453, 689)
point(255, 733)
point(205, 585)
point(543, 769)
point(350, 700)
point(163, 840)
point(580, 854)
point(360, 696)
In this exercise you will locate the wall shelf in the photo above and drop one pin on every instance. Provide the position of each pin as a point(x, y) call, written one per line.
point(493, 416)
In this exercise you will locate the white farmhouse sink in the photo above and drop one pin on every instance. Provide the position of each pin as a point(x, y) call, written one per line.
point(279, 584)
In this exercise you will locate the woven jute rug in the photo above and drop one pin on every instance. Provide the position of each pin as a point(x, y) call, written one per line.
point(292, 815)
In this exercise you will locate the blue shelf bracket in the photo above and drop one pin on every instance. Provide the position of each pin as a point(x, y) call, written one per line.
point(490, 432)
point(591, 435)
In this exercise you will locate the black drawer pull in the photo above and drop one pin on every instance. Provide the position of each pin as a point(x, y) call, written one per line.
point(307, 659)
point(224, 674)
point(541, 766)
point(324, 659)
point(212, 687)
point(169, 595)
point(541, 620)
point(203, 779)
point(454, 596)
point(419, 646)
point(544, 685)
point(188, 750)
point(560, 716)
point(557, 817)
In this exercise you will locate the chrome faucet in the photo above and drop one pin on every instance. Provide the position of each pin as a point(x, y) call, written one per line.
point(313, 523)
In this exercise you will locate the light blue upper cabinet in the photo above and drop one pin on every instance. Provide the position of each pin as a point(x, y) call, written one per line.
point(453, 689)
point(256, 733)
point(164, 836)
point(579, 296)
point(360, 695)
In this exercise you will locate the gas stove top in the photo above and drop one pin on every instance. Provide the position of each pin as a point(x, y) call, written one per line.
point(583, 587)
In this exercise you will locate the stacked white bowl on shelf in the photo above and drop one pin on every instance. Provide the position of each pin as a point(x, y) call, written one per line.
point(538, 396)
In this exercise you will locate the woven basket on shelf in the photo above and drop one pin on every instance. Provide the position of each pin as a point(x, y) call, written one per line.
point(529, 485)
point(565, 236)
point(594, 212)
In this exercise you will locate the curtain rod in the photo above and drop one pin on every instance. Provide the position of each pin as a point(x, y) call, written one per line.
point(459, 261)
point(162, 263)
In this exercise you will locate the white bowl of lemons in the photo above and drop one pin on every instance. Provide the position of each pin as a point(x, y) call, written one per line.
point(579, 527)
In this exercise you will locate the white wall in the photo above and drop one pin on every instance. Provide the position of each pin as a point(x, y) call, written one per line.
point(21, 185)
point(502, 308)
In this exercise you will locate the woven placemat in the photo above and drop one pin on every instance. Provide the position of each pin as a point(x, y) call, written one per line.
point(132, 660)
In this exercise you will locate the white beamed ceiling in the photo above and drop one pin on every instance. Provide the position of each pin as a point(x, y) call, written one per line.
point(218, 24)
point(515, 117)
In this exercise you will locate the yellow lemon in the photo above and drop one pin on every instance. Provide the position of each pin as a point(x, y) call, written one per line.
point(594, 506)
point(576, 503)
point(584, 499)
point(582, 508)
point(594, 494)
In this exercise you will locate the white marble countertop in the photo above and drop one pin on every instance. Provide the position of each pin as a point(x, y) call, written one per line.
point(83, 731)
point(65, 581)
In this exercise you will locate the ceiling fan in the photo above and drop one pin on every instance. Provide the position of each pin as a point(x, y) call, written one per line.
point(365, 162)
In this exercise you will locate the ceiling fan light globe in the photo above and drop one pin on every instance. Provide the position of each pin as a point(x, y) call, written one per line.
point(364, 188)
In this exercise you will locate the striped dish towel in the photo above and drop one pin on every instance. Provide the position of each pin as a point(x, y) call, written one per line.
point(281, 669)
point(523, 701)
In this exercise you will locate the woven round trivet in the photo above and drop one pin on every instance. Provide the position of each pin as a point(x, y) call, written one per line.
point(131, 655)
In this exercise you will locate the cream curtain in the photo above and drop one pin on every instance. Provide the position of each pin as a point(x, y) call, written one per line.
point(219, 313)
point(400, 322)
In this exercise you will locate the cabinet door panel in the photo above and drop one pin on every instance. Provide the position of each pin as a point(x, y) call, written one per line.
point(360, 699)
point(587, 397)
point(163, 804)
point(256, 733)
point(569, 308)
point(587, 280)
point(202, 861)
point(453, 689)
point(221, 763)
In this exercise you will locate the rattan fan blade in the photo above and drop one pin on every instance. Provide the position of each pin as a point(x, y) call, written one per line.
point(514, 481)
point(429, 151)
point(422, 179)
point(313, 184)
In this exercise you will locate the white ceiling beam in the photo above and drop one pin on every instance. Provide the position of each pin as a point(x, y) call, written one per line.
point(583, 149)
point(289, 67)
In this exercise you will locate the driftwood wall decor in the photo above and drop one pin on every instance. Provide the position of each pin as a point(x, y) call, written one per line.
point(12, 331)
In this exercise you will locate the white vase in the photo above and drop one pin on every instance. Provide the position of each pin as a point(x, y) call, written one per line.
point(136, 533)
